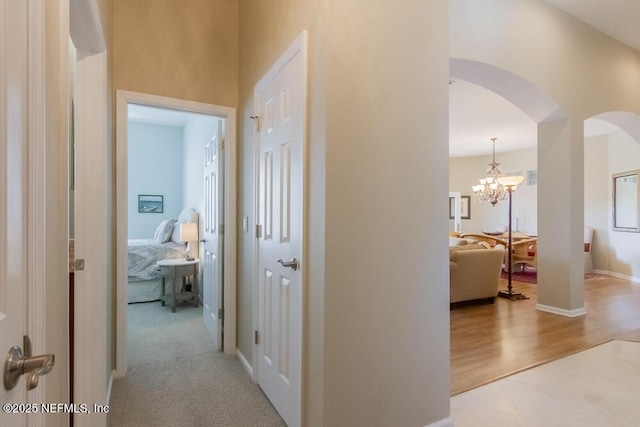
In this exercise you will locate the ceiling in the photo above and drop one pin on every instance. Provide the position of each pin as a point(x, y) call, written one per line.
point(158, 116)
point(477, 114)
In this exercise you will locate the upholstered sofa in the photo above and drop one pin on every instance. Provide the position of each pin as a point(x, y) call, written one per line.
point(474, 272)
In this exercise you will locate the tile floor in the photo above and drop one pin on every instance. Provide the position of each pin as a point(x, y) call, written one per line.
point(597, 387)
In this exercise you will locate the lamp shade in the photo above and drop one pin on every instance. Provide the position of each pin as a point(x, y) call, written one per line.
point(188, 232)
point(510, 181)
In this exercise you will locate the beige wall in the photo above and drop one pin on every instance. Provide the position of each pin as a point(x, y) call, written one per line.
point(184, 49)
point(624, 257)
point(465, 172)
point(597, 204)
point(613, 251)
point(376, 343)
point(583, 70)
point(267, 28)
point(386, 269)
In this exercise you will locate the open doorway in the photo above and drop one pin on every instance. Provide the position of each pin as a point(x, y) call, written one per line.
point(176, 191)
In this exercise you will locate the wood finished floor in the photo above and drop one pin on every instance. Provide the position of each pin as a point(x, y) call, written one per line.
point(492, 341)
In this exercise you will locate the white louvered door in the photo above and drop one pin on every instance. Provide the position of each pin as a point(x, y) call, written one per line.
point(211, 258)
point(280, 99)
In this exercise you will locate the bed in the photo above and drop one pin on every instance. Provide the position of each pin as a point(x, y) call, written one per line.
point(143, 254)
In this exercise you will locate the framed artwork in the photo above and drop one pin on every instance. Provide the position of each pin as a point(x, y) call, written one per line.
point(452, 206)
point(465, 207)
point(148, 203)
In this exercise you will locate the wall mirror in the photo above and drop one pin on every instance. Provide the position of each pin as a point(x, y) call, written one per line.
point(626, 201)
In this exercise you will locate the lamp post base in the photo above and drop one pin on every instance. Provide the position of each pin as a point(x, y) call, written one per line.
point(511, 295)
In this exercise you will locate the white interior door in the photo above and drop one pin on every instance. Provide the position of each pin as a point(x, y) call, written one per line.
point(213, 235)
point(13, 191)
point(280, 100)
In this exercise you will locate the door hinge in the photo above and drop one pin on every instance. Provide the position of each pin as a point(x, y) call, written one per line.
point(221, 145)
point(255, 337)
point(258, 231)
point(221, 313)
point(221, 229)
point(257, 120)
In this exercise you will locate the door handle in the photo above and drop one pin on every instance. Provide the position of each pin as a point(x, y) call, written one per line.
point(19, 363)
point(293, 264)
point(203, 241)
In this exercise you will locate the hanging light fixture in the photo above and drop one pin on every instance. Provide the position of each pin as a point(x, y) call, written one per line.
point(490, 189)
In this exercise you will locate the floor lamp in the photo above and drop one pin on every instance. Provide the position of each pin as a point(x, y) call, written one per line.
point(510, 183)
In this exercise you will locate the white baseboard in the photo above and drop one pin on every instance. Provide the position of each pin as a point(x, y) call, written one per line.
point(446, 422)
point(245, 364)
point(618, 275)
point(562, 312)
point(109, 385)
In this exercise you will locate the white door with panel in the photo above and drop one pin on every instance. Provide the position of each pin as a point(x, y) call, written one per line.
point(280, 101)
point(13, 191)
point(20, 265)
point(213, 230)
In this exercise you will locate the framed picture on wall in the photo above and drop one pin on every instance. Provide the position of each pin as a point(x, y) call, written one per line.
point(148, 203)
point(465, 207)
point(452, 207)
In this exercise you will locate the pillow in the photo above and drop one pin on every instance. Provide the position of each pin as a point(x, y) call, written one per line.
point(470, 247)
point(164, 231)
point(457, 241)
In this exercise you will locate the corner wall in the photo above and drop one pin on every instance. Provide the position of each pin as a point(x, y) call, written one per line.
point(376, 347)
point(613, 251)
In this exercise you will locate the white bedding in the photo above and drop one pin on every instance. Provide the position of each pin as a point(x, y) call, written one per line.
point(143, 254)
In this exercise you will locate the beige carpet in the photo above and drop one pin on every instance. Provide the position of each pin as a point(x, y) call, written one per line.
point(175, 378)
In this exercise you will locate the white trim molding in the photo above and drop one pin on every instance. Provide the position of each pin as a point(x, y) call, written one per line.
point(110, 387)
point(618, 275)
point(445, 422)
point(85, 26)
point(562, 312)
point(91, 231)
point(245, 364)
point(123, 99)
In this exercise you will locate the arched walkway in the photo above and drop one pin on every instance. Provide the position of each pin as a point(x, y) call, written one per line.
point(560, 260)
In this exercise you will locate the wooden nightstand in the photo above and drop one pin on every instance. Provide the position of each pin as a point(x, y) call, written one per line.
point(175, 269)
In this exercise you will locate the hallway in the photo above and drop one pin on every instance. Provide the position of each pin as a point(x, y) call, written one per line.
point(175, 378)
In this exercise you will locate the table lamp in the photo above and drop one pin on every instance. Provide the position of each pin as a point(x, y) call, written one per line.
point(189, 233)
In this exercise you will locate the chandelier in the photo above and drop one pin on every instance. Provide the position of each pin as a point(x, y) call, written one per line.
point(489, 188)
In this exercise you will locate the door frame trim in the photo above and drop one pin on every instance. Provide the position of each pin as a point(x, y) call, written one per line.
point(298, 47)
point(123, 98)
